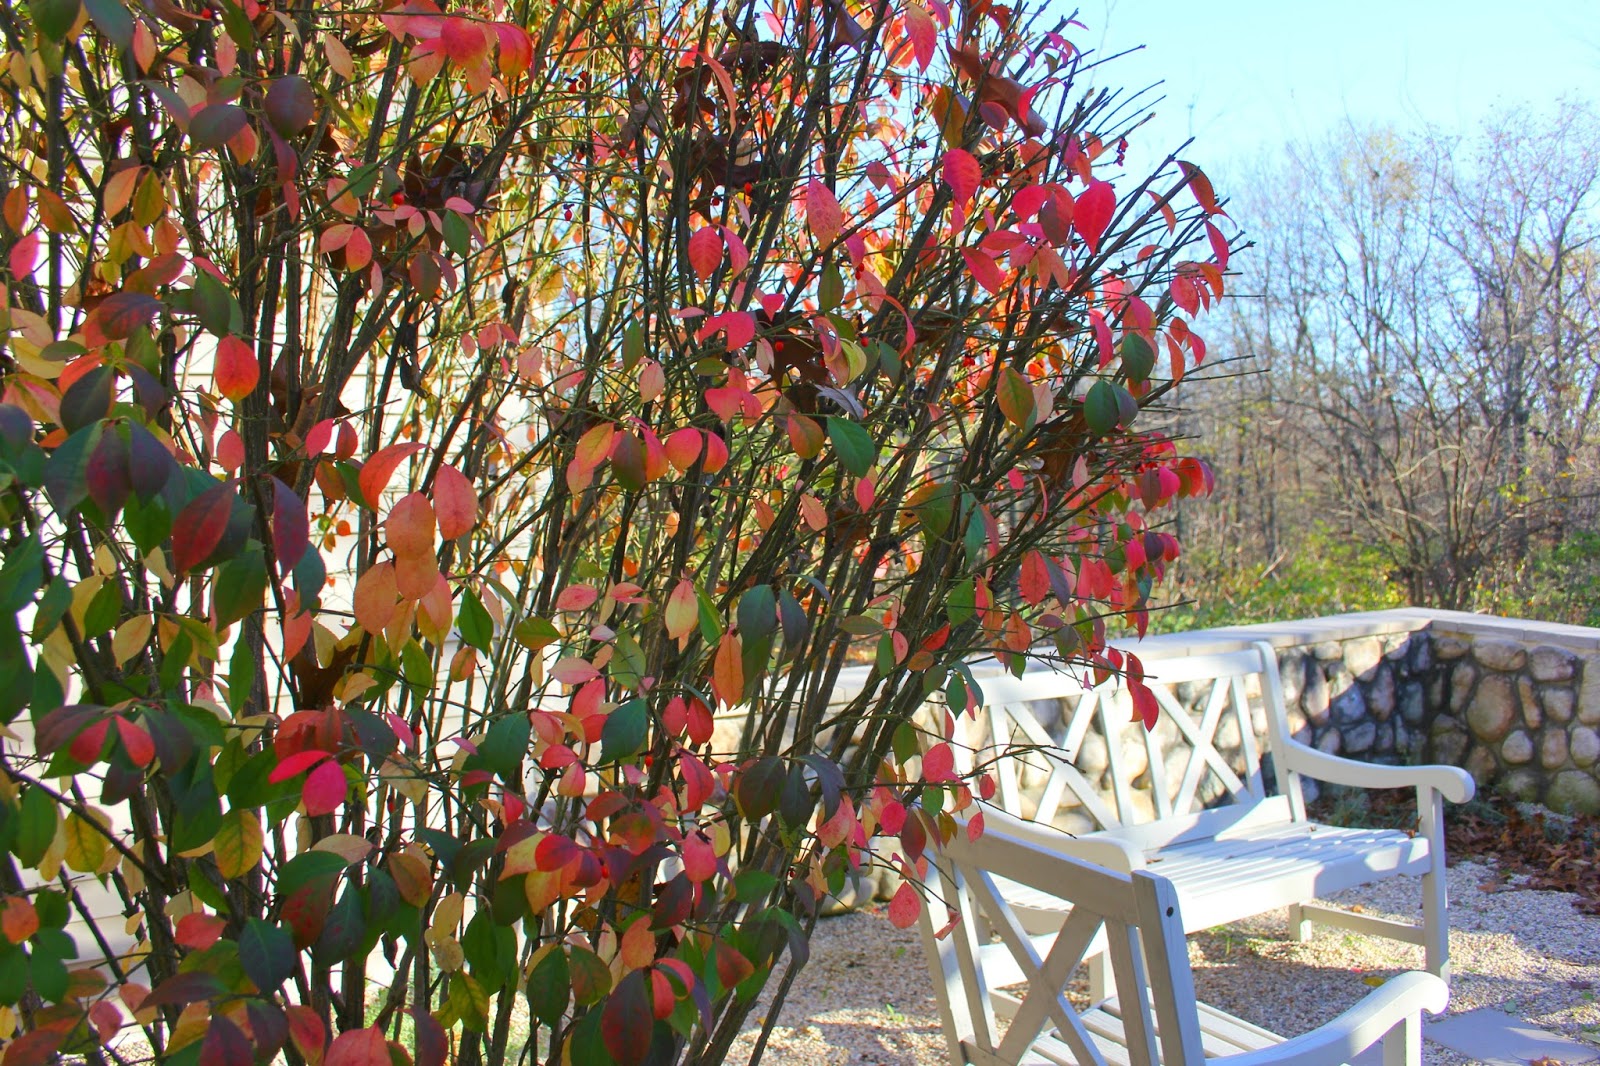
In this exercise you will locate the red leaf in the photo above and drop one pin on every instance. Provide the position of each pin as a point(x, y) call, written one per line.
point(375, 471)
point(985, 269)
point(35, 1048)
point(325, 789)
point(823, 214)
point(924, 33)
point(939, 764)
point(705, 251)
point(23, 256)
point(291, 104)
point(297, 763)
point(358, 1047)
point(627, 1020)
point(962, 174)
point(310, 1036)
point(123, 312)
point(1219, 245)
point(225, 1044)
point(1034, 579)
point(291, 529)
point(433, 1047)
point(199, 931)
point(199, 527)
point(454, 502)
point(905, 907)
point(1145, 707)
point(732, 967)
point(1091, 213)
point(1200, 185)
point(86, 746)
point(136, 742)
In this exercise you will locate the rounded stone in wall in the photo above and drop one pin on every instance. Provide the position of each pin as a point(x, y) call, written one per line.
point(1292, 675)
point(1093, 758)
point(1381, 694)
point(1450, 647)
point(1499, 654)
point(1574, 792)
point(1461, 679)
point(1517, 748)
point(1421, 652)
point(1589, 696)
point(1493, 708)
point(1522, 785)
point(1552, 664)
point(1553, 749)
point(1557, 702)
point(1531, 712)
point(1448, 742)
point(1360, 738)
point(1348, 707)
point(1330, 742)
point(1481, 764)
point(1363, 655)
point(1413, 705)
point(1228, 737)
point(1315, 697)
point(1385, 742)
point(1328, 650)
point(1584, 745)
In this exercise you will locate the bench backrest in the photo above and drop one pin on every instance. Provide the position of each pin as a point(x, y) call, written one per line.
point(1133, 918)
point(1068, 753)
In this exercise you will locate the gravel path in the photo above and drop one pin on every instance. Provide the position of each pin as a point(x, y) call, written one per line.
point(866, 996)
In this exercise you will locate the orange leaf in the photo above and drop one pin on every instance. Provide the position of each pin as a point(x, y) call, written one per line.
point(905, 906)
point(237, 371)
point(18, 919)
point(376, 471)
point(410, 526)
point(376, 598)
point(727, 672)
point(683, 610)
point(455, 502)
point(705, 251)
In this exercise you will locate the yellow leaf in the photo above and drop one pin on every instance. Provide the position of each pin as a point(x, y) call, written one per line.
point(85, 844)
point(347, 846)
point(132, 637)
point(238, 843)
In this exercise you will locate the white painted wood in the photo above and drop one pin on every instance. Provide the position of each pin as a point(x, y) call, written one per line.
point(1154, 1017)
point(1171, 800)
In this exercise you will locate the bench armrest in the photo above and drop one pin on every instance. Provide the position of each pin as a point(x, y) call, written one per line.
point(1098, 849)
point(1451, 782)
point(1357, 1029)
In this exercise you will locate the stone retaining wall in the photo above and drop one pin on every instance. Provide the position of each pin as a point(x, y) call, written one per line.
point(1516, 703)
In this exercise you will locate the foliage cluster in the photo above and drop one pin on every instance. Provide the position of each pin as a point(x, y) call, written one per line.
point(421, 424)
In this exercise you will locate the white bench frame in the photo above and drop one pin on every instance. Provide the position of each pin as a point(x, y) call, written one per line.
point(1255, 851)
point(1136, 920)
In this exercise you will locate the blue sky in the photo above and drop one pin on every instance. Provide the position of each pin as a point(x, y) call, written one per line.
point(1246, 76)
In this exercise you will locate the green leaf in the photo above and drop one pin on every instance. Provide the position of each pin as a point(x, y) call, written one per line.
point(241, 675)
point(241, 583)
point(534, 633)
point(962, 602)
point(627, 666)
point(473, 620)
point(306, 867)
point(1100, 408)
point(22, 574)
point(267, 954)
point(457, 235)
point(549, 984)
point(753, 886)
point(758, 613)
point(113, 20)
point(710, 618)
point(218, 311)
point(830, 289)
point(1138, 357)
point(53, 19)
point(66, 472)
point(854, 445)
point(36, 827)
point(103, 611)
point(632, 345)
point(624, 732)
point(417, 669)
point(506, 744)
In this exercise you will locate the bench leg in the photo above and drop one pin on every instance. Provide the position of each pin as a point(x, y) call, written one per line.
point(1402, 1045)
point(1299, 924)
point(1435, 896)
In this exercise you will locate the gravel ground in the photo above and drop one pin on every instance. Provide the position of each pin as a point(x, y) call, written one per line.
point(866, 996)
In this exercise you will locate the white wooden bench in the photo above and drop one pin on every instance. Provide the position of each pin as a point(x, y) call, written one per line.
point(1193, 798)
point(1136, 920)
